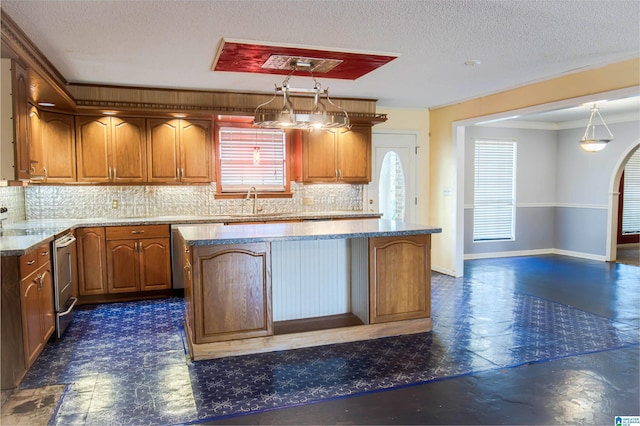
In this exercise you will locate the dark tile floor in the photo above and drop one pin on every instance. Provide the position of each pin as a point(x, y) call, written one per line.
point(544, 340)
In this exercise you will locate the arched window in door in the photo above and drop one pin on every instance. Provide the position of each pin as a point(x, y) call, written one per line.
point(391, 188)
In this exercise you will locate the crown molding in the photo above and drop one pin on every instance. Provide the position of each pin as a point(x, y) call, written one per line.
point(43, 76)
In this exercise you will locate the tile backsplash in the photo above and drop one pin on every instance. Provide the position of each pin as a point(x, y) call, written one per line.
point(12, 197)
point(57, 202)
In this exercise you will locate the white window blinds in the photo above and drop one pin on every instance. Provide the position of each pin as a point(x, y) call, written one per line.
point(494, 198)
point(252, 157)
point(631, 194)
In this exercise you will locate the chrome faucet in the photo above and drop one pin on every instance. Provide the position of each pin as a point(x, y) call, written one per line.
point(254, 210)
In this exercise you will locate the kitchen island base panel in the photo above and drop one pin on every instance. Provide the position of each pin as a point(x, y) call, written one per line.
point(306, 339)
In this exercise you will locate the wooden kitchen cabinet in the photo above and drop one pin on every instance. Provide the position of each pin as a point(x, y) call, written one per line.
point(399, 278)
point(92, 261)
point(138, 258)
point(179, 151)
point(229, 292)
point(38, 316)
point(52, 147)
point(341, 155)
point(27, 312)
point(111, 149)
point(20, 98)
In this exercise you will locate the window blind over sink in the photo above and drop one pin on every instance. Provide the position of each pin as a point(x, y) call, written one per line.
point(252, 157)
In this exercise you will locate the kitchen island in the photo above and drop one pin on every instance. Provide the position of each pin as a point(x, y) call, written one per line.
point(265, 287)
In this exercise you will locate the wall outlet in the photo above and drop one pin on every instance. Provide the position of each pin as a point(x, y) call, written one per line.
point(114, 204)
point(308, 201)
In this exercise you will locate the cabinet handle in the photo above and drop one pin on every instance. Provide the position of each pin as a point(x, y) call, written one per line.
point(182, 174)
point(31, 262)
point(46, 173)
point(44, 253)
point(114, 173)
point(39, 277)
point(340, 173)
point(177, 173)
point(109, 173)
point(186, 250)
point(135, 246)
point(336, 173)
point(135, 232)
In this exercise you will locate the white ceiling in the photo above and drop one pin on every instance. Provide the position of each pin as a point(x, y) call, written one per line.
point(172, 43)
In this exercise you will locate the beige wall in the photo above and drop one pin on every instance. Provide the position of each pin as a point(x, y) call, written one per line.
point(414, 120)
point(442, 153)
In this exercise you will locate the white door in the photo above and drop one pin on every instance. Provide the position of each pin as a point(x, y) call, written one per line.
point(393, 182)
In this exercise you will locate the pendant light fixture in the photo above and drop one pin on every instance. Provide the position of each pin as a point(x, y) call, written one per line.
point(287, 117)
point(589, 141)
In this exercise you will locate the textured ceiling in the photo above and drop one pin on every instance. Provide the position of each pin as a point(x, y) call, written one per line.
point(173, 43)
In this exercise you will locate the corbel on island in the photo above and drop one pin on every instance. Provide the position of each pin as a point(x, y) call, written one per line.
point(267, 287)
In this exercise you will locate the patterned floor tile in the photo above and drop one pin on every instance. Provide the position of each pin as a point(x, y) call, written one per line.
point(125, 363)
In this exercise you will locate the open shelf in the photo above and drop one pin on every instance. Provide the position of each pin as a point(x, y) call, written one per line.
point(316, 323)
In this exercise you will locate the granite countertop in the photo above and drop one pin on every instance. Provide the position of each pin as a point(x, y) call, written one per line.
point(215, 234)
point(21, 237)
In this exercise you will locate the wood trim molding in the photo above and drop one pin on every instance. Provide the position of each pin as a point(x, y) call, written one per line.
point(27, 53)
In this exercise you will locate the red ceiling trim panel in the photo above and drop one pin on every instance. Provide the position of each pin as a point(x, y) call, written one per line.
point(234, 56)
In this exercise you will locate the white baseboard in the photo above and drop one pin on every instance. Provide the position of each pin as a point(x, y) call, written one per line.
point(445, 271)
point(508, 254)
point(536, 252)
point(589, 256)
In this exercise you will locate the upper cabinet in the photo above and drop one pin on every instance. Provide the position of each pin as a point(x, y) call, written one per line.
point(52, 150)
point(179, 150)
point(20, 121)
point(342, 155)
point(111, 149)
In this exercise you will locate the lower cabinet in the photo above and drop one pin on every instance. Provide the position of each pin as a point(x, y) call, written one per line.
point(399, 278)
point(28, 317)
point(228, 288)
point(124, 259)
point(138, 258)
point(38, 316)
point(92, 261)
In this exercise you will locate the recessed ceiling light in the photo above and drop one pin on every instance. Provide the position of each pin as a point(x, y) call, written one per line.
point(472, 62)
point(46, 104)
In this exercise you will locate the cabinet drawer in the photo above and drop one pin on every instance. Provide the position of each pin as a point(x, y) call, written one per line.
point(33, 260)
point(136, 232)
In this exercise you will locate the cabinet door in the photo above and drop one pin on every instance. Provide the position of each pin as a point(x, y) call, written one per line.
point(92, 148)
point(163, 150)
point(155, 264)
point(58, 139)
point(122, 266)
point(184, 252)
point(195, 151)
point(232, 292)
point(92, 271)
point(319, 161)
point(354, 153)
point(47, 311)
point(399, 278)
point(20, 97)
point(31, 321)
point(128, 150)
point(36, 147)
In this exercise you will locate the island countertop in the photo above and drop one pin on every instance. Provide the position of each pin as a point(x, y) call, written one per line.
point(40, 231)
point(201, 235)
